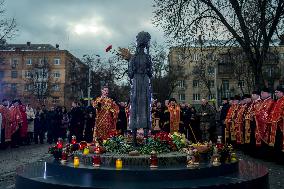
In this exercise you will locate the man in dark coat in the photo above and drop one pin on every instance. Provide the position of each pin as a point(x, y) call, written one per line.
point(206, 112)
point(121, 124)
point(223, 114)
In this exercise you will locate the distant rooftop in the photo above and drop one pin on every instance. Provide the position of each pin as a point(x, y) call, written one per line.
point(28, 47)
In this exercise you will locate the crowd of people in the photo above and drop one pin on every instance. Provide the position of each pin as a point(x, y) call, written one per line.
point(253, 121)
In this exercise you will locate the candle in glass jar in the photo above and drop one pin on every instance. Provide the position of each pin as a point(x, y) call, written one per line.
point(64, 156)
point(73, 141)
point(59, 143)
point(153, 160)
point(96, 160)
point(76, 162)
point(118, 163)
point(86, 151)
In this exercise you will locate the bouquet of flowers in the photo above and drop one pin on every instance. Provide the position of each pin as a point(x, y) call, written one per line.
point(179, 140)
point(117, 144)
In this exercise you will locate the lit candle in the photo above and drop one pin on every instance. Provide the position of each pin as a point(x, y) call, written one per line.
point(153, 160)
point(118, 163)
point(73, 141)
point(82, 145)
point(86, 151)
point(64, 156)
point(76, 162)
point(59, 143)
point(96, 160)
point(97, 148)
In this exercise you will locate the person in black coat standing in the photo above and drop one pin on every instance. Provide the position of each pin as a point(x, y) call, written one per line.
point(77, 120)
point(121, 124)
point(223, 114)
point(90, 116)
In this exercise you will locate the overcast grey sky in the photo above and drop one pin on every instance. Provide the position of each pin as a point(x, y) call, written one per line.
point(82, 26)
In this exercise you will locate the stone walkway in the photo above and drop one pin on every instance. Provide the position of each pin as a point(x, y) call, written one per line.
point(10, 159)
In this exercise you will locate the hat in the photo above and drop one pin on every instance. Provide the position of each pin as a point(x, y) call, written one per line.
point(224, 98)
point(246, 96)
point(266, 89)
point(172, 99)
point(280, 88)
point(232, 98)
point(257, 92)
point(237, 97)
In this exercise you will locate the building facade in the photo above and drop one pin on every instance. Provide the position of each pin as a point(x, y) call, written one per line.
point(41, 74)
point(213, 73)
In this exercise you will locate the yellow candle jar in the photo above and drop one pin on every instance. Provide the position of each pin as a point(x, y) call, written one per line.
point(118, 164)
point(76, 162)
point(86, 151)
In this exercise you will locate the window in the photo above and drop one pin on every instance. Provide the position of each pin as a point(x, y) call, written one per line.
point(29, 61)
point(55, 87)
point(2, 60)
point(1, 74)
point(28, 74)
point(281, 56)
point(28, 87)
point(196, 97)
point(55, 100)
point(195, 83)
point(195, 57)
point(43, 61)
point(181, 83)
point(225, 84)
point(41, 74)
point(14, 74)
point(211, 70)
point(241, 83)
point(211, 83)
point(56, 61)
point(41, 85)
point(181, 97)
point(211, 97)
point(14, 63)
point(73, 88)
point(56, 74)
point(209, 56)
point(14, 86)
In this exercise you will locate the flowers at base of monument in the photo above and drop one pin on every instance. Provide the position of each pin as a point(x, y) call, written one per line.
point(55, 151)
point(179, 140)
point(154, 145)
point(204, 147)
point(117, 144)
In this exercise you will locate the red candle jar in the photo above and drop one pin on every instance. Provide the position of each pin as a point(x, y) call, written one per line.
point(64, 156)
point(153, 160)
point(83, 145)
point(59, 143)
point(96, 160)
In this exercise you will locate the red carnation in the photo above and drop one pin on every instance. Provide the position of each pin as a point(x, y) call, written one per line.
point(109, 48)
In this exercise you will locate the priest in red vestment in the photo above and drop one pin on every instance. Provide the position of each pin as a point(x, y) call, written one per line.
point(106, 115)
point(262, 113)
point(276, 122)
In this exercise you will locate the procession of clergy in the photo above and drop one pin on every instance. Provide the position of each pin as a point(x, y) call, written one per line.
point(251, 122)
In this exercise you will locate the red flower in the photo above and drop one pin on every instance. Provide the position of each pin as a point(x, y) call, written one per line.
point(109, 48)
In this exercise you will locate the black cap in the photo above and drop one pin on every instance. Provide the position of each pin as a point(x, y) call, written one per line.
point(266, 89)
point(257, 92)
point(224, 98)
point(246, 96)
point(280, 88)
point(172, 99)
point(237, 97)
point(232, 98)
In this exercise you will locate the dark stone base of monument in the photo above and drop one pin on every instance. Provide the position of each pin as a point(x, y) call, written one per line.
point(51, 174)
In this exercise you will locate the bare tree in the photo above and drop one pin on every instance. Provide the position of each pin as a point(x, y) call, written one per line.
point(8, 26)
point(250, 24)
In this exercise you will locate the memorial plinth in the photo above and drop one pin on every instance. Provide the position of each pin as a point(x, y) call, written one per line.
point(52, 174)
